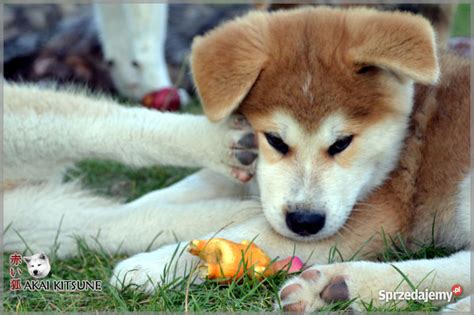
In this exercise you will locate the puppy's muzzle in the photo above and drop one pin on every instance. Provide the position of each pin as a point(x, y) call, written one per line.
point(305, 222)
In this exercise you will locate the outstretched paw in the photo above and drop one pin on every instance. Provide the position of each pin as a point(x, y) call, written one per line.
point(313, 289)
point(242, 146)
point(148, 270)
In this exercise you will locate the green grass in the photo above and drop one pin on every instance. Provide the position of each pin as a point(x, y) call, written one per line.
point(116, 180)
point(462, 21)
point(178, 293)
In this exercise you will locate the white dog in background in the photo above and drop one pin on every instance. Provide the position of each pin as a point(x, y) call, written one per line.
point(38, 265)
point(133, 39)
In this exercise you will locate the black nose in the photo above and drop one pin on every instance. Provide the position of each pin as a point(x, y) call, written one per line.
point(305, 223)
point(35, 272)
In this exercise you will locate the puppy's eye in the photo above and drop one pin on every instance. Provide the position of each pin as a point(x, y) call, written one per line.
point(340, 145)
point(277, 143)
point(367, 69)
point(39, 265)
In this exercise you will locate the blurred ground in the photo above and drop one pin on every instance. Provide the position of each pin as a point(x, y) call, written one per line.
point(59, 41)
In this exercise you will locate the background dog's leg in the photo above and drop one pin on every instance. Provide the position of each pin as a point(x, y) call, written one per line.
point(136, 54)
point(45, 129)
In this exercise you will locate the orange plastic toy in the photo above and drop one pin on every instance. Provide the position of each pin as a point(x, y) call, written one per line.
point(224, 259)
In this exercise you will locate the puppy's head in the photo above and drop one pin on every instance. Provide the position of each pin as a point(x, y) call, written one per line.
point(329, 93)
point(38, 265)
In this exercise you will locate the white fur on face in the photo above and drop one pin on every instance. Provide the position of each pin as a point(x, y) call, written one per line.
point(38, 265)
point(310, 178)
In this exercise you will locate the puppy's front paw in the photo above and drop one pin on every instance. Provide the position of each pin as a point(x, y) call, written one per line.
point(313, 289)
point(243, 149)
point(238, 153)
point(147, 270)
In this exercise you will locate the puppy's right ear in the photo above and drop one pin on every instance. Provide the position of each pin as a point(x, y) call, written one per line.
point(226, 63)
point(26, 259)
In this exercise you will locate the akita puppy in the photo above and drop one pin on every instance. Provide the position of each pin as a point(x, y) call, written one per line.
point(362, 126)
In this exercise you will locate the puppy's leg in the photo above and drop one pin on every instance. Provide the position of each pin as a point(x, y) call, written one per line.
point(365, 281)
point(147, 269)
point(47, 127)
point(50, 215)
point(372, 282)
point(200, 186)
point(461, 306)
point(44, 216)
point(365, 241)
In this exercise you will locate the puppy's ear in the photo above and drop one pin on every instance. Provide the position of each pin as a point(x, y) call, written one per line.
point(402, 43)
point(26, 259)
point(226, 62)
point(42, 256)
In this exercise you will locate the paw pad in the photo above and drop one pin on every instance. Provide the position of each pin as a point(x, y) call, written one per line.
point(295, 307)
point(311, 275)
point(336, 290)
point(289, 290)
point(246, 157)
point(247, 141)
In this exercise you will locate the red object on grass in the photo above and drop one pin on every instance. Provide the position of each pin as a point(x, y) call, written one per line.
point(291, 264)
point(166, 99)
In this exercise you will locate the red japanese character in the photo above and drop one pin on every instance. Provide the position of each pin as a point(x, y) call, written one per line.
point(15, 284)
point(15, 259)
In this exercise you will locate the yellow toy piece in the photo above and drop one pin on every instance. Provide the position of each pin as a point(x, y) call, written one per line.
point(224, 259)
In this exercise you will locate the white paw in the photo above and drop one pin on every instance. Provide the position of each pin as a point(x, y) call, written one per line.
point(238, 152)
point(315, 288)
point(461, 306)
point(147, 270)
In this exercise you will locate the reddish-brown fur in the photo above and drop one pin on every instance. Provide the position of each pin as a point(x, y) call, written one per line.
point(440, 15)
point(258, 65)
